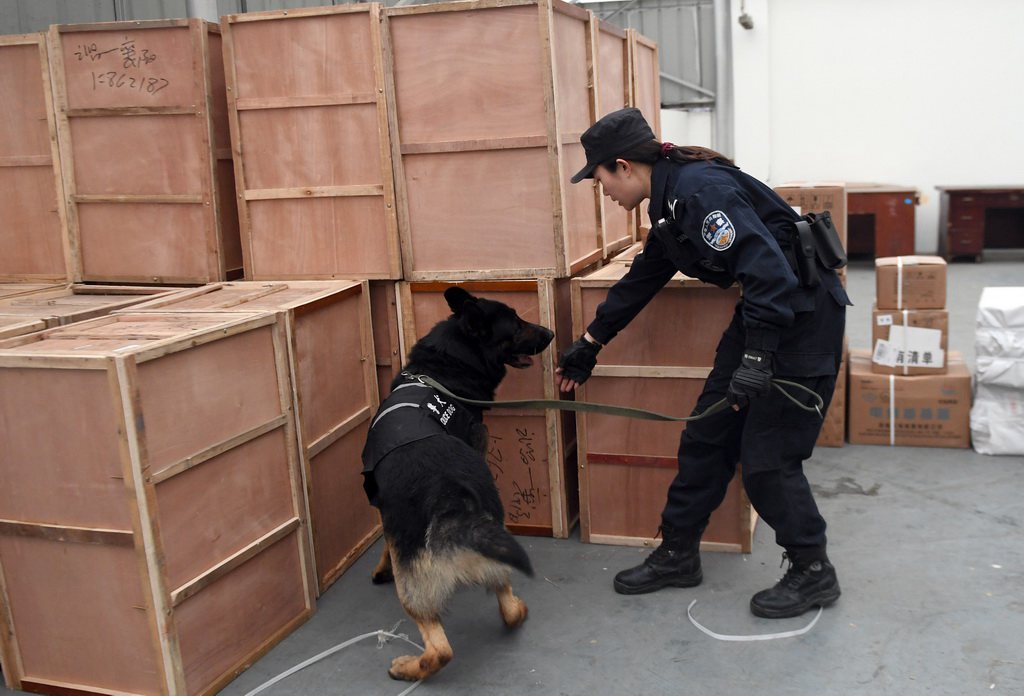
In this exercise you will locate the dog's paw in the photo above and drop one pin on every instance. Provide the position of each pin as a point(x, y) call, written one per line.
point(406, 668)
point(382, 577)
point(514, 613)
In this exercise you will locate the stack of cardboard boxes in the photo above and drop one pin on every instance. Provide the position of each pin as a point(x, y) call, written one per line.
point(909, 389)
point(997, 417)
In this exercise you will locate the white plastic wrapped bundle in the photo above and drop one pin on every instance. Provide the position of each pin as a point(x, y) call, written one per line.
point(997, 416)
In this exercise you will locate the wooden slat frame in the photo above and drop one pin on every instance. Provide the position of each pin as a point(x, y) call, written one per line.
point(53, 161)
point(382, 99)
point(214, 233)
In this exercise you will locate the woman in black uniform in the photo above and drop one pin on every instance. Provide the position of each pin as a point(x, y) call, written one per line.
point(722, 226)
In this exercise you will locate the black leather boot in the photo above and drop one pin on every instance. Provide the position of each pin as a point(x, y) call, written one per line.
point(808, 583)
point(676, 563)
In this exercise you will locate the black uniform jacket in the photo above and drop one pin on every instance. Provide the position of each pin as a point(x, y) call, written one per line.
point(412, 412)
point(724, 227)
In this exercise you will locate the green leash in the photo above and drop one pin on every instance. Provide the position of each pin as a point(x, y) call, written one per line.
point(625, 411)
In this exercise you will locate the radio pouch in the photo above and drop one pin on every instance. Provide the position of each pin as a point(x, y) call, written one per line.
point(826, 240)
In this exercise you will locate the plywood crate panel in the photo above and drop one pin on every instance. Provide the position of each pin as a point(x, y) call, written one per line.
point(152, 535)
point(76, 302)
point(490, 100)
point(613, 78)
point(145, 151)
point(33, 244)
point(659, 363)
point(330, 352)
point(531, 453)
point(309, 124)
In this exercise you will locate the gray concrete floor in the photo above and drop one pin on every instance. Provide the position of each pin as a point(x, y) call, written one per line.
point(928, 544)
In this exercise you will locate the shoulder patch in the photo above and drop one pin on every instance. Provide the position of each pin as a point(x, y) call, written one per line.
point(718, 231)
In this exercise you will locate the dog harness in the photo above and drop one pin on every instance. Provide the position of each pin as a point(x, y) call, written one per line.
point(412, 412)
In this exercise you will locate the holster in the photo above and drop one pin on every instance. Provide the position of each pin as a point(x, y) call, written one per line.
point(804, 254)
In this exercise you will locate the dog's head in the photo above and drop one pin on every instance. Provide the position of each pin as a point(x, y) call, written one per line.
point(499, 331)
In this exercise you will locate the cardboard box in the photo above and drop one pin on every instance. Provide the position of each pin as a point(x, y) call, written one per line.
point(931, 410)
point(910, 282)
point(909, 341)
point(833, 430)
point(816, 197)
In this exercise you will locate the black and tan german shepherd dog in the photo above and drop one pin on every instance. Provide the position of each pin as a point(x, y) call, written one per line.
point(425, 470)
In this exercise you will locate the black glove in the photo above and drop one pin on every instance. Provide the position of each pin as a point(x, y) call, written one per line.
point(578, 361)
point(753, 378)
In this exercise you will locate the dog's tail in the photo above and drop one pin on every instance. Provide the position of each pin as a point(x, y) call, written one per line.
point(492, 540)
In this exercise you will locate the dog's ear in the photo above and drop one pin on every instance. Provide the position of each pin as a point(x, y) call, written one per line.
point(457, 298)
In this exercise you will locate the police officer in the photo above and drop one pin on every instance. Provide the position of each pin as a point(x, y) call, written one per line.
point(723, 226)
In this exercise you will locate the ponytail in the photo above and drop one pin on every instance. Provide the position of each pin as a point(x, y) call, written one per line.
point(652, 151)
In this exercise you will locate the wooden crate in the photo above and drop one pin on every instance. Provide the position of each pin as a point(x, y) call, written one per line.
point(386, 329)
point(77, 302)
point(643, 60)
point(532, 454)
point(613, 76)
point(659, 362)
point(11, 326)
point(331, 360)
point(491, 97)
point(151, 526)
point(145, 151)
point(33, 244)
point(309, 126)
point(646, 75)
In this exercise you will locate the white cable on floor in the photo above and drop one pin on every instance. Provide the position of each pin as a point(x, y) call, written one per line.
point(764, 636)
point(381, 636)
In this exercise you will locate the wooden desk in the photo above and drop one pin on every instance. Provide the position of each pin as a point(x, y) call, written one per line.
point(880, 219)
point(972, 218)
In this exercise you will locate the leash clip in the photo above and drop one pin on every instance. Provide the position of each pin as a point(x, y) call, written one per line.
point(415, 378)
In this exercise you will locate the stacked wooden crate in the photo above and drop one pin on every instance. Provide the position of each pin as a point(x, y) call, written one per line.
point(613, 77)
point(33, 245)
point(490, 99)
point(73, 303)
point(151, 527)
point(141, 121)
point(659, 362)
point(330, 359)
point(309, 127)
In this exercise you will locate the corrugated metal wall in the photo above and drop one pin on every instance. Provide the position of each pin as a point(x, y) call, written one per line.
point(684, 29)
point(685, 33)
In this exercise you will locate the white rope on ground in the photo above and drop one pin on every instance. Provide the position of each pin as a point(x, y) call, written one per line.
point(764, 636)
point(382, 637)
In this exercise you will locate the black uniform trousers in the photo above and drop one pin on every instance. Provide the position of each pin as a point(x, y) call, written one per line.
point(770, 438)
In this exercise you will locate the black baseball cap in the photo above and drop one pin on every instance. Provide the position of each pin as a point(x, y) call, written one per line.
point(612, 135)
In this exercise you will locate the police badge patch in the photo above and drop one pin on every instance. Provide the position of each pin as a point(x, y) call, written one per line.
point(718, 231)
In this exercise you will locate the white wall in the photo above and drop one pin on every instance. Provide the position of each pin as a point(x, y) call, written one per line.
point(915, 92)
point(693, 127)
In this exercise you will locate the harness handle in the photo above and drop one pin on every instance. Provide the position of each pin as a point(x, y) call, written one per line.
point(626, 411)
